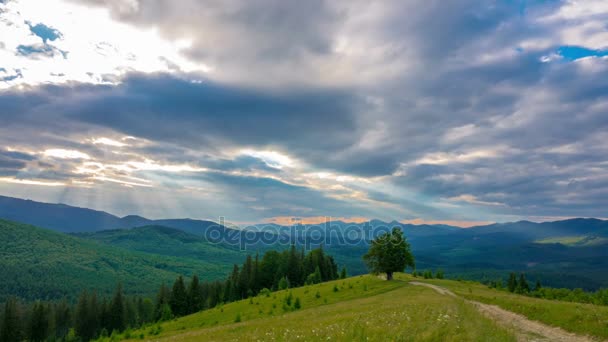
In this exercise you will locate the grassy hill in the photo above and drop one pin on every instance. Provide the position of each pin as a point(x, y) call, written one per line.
point(41, 264)
point(358, 308)
point(366, 308)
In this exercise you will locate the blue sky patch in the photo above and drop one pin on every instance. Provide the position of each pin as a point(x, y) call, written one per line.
point(573, 53)
point(45, 32)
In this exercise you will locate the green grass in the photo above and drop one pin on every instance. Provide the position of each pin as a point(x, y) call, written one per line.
point(575, 241)
point(584, 319)
point(364, 308)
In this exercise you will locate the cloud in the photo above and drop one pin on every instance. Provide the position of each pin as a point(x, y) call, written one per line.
point(323, 108)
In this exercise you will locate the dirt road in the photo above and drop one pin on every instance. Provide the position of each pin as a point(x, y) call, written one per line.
point(525, 329)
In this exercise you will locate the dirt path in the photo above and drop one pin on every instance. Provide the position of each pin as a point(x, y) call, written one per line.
point(525, 329)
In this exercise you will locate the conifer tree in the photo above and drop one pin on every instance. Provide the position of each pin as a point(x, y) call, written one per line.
point(81, 320)
point(11, 328)
point(343, 273)
point(293, 266)
point(162, 299)
point(117, 319)
point(233, 287)
point(255, 274)
point(179, 300)
point(522, 285)
point(194, 295)
point(93, 314)
point(39, 323)
point(512, 284)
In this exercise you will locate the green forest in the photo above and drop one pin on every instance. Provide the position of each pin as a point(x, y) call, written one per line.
point(93, 316)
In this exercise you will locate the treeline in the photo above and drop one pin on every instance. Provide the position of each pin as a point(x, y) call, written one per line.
point(92, 317)
point(428, 274)
point(520, 285)
point(274, 271)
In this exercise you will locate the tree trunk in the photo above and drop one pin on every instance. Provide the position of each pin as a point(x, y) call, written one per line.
point(389, 275)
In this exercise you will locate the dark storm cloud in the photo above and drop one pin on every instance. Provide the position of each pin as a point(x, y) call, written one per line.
point(11, 162)
point(165, 108)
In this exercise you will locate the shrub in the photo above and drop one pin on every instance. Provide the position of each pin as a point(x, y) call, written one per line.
point(296, 304)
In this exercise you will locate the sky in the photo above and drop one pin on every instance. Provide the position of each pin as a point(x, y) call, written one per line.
point(458, 112)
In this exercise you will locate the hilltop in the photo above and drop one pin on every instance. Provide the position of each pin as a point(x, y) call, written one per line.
point(370, 308)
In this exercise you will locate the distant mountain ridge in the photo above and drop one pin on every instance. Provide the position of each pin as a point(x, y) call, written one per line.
point(68, 219)
point(71, 219)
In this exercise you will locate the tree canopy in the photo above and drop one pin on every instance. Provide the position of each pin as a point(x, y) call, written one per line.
point(389, 253)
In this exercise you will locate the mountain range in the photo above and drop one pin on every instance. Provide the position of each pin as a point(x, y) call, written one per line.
point(569, 253)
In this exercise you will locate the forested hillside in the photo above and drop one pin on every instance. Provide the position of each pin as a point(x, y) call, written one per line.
point(167, 241)
point(41, 264)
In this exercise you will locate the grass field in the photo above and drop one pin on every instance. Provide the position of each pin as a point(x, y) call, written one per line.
point(362, 308)
point(366, 308)
point(584, 319)
point(579, 241)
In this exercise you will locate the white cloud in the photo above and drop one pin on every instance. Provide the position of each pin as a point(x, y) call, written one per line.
point(96, 46)
point(65, 154)
point(108, 141)
point(273, 159)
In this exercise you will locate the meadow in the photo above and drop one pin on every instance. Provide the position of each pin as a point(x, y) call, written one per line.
point(363, 308)
point(584, 319)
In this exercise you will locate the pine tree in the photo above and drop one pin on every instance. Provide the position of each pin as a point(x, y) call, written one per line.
point(439, 274)
point(39, 323)
point(93, 315)
point(81, 321)
point(269, 275)
point(233, 286)
point(179, 300)
point(146, 310)
point(131, 315)
point(245, 278)
point(522, 285)
point(538, 286)
point(512, 284)
point(162, 298)
point(294, 267)
point(11, 329)
point(50, 317)
point(283, 284)
point(117, 319)
point(104, 315)
point(195, 302)
point(255, 274)
point(343, 273)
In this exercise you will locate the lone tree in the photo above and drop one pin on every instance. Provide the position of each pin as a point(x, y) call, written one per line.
point(389, 252)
